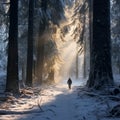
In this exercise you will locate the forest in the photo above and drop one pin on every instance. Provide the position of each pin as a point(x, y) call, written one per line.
point(43, 43)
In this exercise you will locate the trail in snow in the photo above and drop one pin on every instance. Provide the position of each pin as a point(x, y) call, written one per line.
point(60, 103)
point(64, 103)
point(57, 103)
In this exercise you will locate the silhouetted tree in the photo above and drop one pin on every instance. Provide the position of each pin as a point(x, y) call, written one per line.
point(100, 65)
point(12, 65)
point(30, 44)
point(115, 33)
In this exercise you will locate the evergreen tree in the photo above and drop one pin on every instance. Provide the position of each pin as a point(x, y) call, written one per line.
point(100, 64)
point(12, 65)
point(30, 44)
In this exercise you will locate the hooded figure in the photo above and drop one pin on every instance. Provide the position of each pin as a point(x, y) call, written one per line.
point(69, 82)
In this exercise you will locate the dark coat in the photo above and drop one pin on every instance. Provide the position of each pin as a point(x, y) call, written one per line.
point(69, 81)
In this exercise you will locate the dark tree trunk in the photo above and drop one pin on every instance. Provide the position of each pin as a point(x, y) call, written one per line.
point(30, 44)
point(40, 60)
point(100, 65)
point(12, 83)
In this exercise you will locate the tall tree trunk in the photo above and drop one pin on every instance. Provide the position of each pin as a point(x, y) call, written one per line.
point(30, 44)
point(40, 60)
point(12, 83)
point(100, 67)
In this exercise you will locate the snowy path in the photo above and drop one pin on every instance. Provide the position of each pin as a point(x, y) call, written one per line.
point(60, 103)
point(65, 108)
point(62, 106)
point(56, 101)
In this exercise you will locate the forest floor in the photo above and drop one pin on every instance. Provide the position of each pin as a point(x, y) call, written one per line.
point(57, 102)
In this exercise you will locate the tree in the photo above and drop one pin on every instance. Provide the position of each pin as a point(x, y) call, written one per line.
point(49, 16)
point(12, 65)
point(100, 64)
point(115, 33)
point(30, 44)
point(40, 44)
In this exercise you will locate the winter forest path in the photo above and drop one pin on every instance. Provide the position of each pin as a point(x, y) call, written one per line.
point(57, 102)
point(63, 106)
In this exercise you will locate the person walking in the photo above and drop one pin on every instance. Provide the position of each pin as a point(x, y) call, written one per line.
point(69, 82)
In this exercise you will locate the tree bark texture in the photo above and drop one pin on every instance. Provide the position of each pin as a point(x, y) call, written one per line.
point(100, 65)
point(30, 44)
point(12, 82)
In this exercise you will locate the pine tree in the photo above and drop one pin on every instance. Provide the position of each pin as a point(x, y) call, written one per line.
point(100, 64)
point(12, 65)
point(30, 45)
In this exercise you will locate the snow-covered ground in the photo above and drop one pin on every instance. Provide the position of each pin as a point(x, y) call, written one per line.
point(57, 102)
